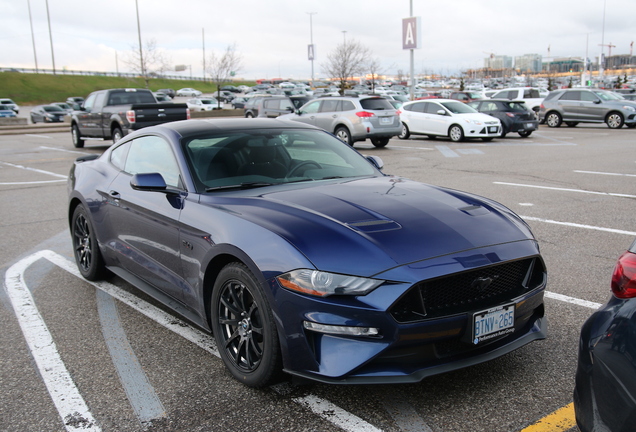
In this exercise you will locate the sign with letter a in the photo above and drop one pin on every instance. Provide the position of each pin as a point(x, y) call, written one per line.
point(411, 33)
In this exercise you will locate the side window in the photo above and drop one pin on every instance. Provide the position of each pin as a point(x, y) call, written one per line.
point(432, 108)
point(99, 101)
point(588, 96)
point(571, 95)
point(151, 154)
point(329, 106)
point(489, 106)
point(88, 103)
point(311, 108)
point(270, 104)
point(347, 106)
point(285, 104)
point(118, 155)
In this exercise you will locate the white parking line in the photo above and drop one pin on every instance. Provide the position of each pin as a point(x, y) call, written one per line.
point(62, 150)
point(572, 300)
point(567, 190)
point(34, 170)
point(38, 136)
point(446, 151)
point(66, 397)
point(63, 391)
point(604, 173)
point(575, 225)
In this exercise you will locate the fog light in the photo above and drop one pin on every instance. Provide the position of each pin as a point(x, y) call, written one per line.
point(341, 330)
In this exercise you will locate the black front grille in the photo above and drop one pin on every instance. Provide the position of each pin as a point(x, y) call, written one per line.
point(470, 290)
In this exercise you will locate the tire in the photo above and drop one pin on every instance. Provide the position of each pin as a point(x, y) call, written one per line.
point(88, 257)
point(344, 135)
point(249, 115)
point(554, 120)
point(78, 142)
point(615, 120)
point(117, 134)
point(405, 134)
point(631, 126)
point(456, 133)
point(380, 142)
point(432, 137)
point(487, 139)
point(33, 119)
point(525, 134)
point(244, 327)
point(503, 135)
point(571, 124)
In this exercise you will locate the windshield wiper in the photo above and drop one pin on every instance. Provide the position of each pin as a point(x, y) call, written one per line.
point(247, 185)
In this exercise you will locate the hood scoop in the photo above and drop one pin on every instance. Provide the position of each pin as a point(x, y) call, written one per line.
point(374, 225)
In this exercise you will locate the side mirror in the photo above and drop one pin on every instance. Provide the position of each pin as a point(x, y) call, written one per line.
point(597, 101)
point(441, 112)
point(376, 161)
point(148, 182)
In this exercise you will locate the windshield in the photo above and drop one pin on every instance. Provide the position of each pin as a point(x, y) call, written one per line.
point(209, 101)
point(255, 158)
point(607, 96)
point(458, 108)
point(53, 108)
point(376, 104)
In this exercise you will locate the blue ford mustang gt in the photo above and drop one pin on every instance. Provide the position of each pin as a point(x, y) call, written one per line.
point(301, 256)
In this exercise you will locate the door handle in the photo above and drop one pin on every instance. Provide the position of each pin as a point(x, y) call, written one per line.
point(114, 194)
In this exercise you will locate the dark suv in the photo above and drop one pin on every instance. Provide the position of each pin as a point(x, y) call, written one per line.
point(273, 106)
point(585, 105)
point(352, 118)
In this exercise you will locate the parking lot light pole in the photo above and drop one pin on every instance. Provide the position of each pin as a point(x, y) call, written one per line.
point(48, 16)
point(141, 56)
point(311, 42)
point(35, 56)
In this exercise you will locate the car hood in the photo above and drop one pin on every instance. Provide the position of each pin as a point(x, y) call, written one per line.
point(366, 226)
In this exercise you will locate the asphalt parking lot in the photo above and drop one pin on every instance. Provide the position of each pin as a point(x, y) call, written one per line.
point(133, 367)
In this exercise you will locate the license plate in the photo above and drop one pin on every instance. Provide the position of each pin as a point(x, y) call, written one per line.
point(492, 129)
point(386, 120)
point(493, 322)
point(529, 126)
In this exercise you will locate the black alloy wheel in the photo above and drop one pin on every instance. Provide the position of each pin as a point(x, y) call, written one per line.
point(244, 328)
point(85, 248)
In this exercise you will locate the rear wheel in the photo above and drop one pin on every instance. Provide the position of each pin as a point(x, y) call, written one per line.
point(33, 119)
point(554, 120)
point(88, 257)
point(380, 142)
point(405, 134)
point(78, 142)
point(615, 120)
point(249, 115)
point(244, 328)
point(344, 135)
point(571, 124)
point(525, 134)
point(456, 133)
point(487, 139)
point(117, 134)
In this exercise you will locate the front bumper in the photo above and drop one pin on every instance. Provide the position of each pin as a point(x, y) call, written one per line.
point(407, 349)
point(481, 131)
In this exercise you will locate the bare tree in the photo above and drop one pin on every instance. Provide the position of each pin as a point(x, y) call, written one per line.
point(155, 61)
point(374, 67)
point(223, 68)
point(346, 61)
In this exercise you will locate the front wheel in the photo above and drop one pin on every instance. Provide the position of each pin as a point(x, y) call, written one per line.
point(117, 135)
point(487, 139)
point(571, 124)
point(456, 133)
point(405, 134)
point(615, 120)
point(344, 135)
point(525, 134)
point(249, 115)
point(78, 142)
point(88, 257)
point(33, 119)
point(380, 142)
point(244, 328)
point(553, 120)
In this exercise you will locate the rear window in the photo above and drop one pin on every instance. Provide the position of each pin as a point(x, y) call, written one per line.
point(130, 97)
point(376, 104)
point(531, 94)
point(53, 108)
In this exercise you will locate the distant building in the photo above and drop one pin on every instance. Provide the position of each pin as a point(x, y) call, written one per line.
point(528, 63)
point(498, 62)
point(564, 64)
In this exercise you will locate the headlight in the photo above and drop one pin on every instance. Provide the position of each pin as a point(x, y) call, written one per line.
point(324, 284)
point(629, 108)
point(476, 122)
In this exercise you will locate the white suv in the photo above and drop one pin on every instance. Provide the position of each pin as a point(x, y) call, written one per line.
point(530, 96)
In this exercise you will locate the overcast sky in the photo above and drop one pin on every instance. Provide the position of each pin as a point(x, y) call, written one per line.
point(272, 35)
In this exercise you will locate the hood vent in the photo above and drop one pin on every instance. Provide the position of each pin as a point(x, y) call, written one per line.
point(374, 225)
